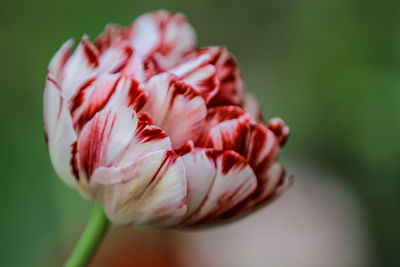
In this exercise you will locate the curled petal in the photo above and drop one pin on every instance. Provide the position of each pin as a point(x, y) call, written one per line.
point(217, 181)
point(175, 107)
point(200, 74)
point(59, 132)
point(231, 91)
point(150, 191)
point(280, 130)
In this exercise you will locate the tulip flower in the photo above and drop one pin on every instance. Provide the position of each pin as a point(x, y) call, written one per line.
point(159, 132)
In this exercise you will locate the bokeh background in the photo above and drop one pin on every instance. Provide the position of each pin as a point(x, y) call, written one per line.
point(331, 69)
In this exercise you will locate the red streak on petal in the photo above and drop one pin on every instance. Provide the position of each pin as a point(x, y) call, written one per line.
point(74, 160)
point(94, 107)
point(187, 148)
point(232, 161)
point(181, 88)
point(144, 117)
point(79, 98)
point(169, 159)
point(91, 53)
point(151, 134)
point(90, 155)
point(137, 98)
point(54, 82)
point(128, 51)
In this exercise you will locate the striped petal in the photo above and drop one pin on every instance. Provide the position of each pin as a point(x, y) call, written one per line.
point(106, 91)
point(217, 181)
point(59, 132)
point(104, 138)
point(58, 61)
point(175, 107)
point(112, 35)
point(80, 67)
point(150, 191)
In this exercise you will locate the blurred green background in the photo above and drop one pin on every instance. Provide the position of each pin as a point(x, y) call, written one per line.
point(329, 68)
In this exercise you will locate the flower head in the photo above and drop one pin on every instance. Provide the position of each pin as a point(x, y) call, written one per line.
point(157, 131)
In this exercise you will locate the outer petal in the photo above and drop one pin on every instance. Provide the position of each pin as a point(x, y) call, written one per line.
point(58, 61)
point(229, 180)
point(81, 67)
point(104, 138)
point(176, 108)
point(59, 132)
point(150, 191)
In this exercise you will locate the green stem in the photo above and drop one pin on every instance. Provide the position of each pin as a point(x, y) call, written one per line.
point(90, 238)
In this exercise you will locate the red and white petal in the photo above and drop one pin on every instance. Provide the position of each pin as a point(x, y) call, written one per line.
point(91, 97)
point(105, 137)
point(115, 58)
point(175, 107)
point(147, 139)
point(280, 130)
point(231, 89)
point(58, 61)
point(200, 74)
point(263, 149)
point(219, 114)
point(234, 180)
point(150, 191)
point(146, 34)
point(230, 135)
point(200, 174)
point(252, 106)
point(112, 35)
point(80, 67)
point(270, 186)
point(59, 132)
point(108, 90)
point(165, 35)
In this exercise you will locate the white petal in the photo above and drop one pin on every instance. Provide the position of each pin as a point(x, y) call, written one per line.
point(150, 191)
point(58, 61)
point(59, 131)
point(146, 35)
